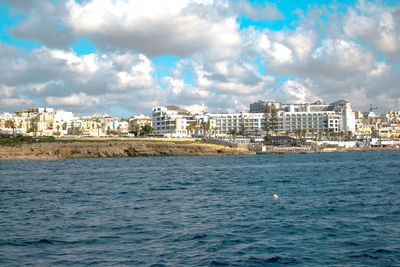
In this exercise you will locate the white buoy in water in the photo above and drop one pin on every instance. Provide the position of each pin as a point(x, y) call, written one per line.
point(276, 196)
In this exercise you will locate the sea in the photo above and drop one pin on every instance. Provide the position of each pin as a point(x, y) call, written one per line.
point(328, 209)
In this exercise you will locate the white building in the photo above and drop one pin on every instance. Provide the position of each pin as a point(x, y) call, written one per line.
point(314, 118)
point(171, 121)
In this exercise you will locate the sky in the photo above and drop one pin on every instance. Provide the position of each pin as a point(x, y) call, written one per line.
point(123, 57)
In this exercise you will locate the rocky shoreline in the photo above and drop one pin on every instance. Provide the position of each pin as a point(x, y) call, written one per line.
point(113, 149)
point(110, 149)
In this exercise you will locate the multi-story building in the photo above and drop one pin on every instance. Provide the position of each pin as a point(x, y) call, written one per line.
point(314, 118)
point(392, 133)
point(18, 124)
point(261, 105)
point(139, 121)
point(171, 121)
point(318, 122)
point(223, 123)
point(318, 116)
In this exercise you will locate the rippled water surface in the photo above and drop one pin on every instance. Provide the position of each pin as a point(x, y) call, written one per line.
point(333, 209)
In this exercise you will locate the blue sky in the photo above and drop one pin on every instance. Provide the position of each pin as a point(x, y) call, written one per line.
point(124, 57)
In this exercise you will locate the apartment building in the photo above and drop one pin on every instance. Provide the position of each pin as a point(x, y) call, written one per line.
point(171, 121)
point(316, 118)
point(139, 121)
point(222, 123)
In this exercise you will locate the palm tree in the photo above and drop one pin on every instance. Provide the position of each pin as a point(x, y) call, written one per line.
point(191, 127)
point(242, 130)
point(349, 135)
point(312, 134)
point(195, 127)
point(216, 131)
point(341, 135)
point(334, 134)
point(303, 133)
point(206, 127)
point(297, 132)
point(233, 133)
point(326, 135)
point(320, 134)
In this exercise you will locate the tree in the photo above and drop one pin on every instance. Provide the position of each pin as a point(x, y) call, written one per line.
point(75, 131)
point(233, 133)
point(341, 135)
point(303, 134)
point(10, 124)
point(312, 133)
point(32, 126)
point(191, 127)
point(206, 127)
point(270, 122)
point(320, 134)
point(242, 130)
point(267, 124)
point(147, 129)
point(216, 131)
point(334, 134)
point(274, 120)
point(374, 133)
point(297, 133)
point(349, 135)
point(134, 127)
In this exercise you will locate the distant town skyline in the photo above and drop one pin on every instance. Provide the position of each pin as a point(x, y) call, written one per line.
point(124, 57)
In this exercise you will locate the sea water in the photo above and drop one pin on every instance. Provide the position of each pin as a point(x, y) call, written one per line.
point(331, 209)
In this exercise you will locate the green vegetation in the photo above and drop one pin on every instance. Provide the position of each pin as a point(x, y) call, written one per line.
point(270, 122)
point(6, 140)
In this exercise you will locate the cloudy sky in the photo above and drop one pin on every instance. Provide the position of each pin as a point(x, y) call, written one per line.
point(122, 57)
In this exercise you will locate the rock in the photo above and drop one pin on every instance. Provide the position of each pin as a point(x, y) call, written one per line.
point(103, 149)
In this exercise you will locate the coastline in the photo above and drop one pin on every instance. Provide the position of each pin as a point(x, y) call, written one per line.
point(97, 148)
point(111, 149)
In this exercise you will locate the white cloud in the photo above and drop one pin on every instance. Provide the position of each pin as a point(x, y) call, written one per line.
point(376, 25)
point(14, 104)
point(80, 99)
point(255, 11)
point(196, 108)
point(330, 52)
point(295, 92)
point(341, 58)
point(381, 68)
point(138, 76)
point(6, 91)
point(152, 27)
